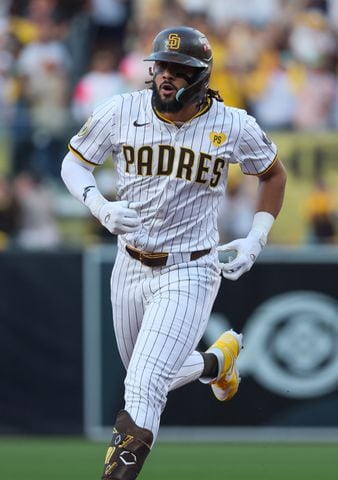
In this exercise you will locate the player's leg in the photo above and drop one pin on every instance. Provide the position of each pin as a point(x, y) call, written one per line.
point(127, 299)
point(130, 443)
point(127, 303)
point(183, 303)
point(173, 323)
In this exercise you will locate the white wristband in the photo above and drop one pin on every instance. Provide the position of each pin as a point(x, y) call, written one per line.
point(263, 221)
point(94, 202)
point(261, 226)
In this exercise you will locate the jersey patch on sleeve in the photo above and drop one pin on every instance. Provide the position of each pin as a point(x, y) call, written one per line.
point(84, 130)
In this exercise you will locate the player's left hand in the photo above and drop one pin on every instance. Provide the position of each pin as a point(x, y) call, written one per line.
point(247, 250)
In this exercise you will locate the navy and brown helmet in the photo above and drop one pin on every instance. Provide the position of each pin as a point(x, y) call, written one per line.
point(186, 46)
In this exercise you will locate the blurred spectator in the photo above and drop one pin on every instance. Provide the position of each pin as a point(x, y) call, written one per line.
point(332, 8)
point(321, 212)
point(37, 227)
point(5, 63)
point(9, 214)
point(232, 61)
point(315, 100)
point(271, 91)
point(102, 81)
point(26, 16)
point(132, 66)
point(78, 39)
point(222, 12)
point(43, 69)
point(311, 42)
point(4, 8)
point(110, 19)
point(314, 46)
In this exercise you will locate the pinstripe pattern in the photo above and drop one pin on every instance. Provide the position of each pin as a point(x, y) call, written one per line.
point(159, 318)
point(178, 214)
point(179, 176)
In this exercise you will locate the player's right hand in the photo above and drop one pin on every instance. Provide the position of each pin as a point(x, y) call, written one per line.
point(120, 217)
point(247, 250)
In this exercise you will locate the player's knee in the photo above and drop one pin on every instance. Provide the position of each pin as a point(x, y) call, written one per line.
point(152, 389)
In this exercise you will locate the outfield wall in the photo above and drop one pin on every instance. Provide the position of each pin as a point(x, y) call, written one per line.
point(60, 371)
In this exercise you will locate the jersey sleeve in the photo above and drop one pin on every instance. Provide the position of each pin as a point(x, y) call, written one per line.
point(255, 152)
point(95, 140)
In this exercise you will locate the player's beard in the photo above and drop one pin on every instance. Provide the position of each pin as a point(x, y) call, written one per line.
point(164, 105)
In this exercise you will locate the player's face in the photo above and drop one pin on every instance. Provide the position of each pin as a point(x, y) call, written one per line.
point(169, 78)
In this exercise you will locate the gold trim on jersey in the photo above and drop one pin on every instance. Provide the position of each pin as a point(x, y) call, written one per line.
point(80, 157)
point(198, 114)
point(266, 170)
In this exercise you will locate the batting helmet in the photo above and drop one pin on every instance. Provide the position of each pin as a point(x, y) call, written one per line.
point(186, 46)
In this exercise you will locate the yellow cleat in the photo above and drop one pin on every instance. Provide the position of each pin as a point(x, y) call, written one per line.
point(227, 382)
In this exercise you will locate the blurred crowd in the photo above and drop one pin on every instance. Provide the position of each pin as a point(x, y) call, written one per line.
point(59, 58)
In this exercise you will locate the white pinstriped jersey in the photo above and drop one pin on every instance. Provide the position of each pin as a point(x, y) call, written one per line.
point(178, 174)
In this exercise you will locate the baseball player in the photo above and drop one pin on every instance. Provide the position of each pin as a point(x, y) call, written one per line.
point(172, 144)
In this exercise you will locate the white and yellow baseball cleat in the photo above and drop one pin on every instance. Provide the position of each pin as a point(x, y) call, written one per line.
point(227, 382)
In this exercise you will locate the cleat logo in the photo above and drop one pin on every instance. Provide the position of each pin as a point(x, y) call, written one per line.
point(128, 458)
point(109, 454)
point(110, 468)
point(126, 441)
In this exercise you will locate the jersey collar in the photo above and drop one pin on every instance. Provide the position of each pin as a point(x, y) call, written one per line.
point(198, 114)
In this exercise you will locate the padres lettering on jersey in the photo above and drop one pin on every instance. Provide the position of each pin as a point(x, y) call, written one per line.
point(184, 164)
point(178, 174)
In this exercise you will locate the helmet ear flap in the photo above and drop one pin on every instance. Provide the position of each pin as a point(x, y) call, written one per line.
point(196, 92)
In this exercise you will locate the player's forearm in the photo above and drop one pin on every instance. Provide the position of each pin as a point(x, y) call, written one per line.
point(269, 203)
point(81, 183)
point(270, 199)
point(271, 190)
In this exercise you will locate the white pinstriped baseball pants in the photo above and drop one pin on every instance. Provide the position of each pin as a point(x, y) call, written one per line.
point(159, 316)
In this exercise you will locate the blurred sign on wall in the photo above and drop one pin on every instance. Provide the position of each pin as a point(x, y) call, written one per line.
point(60, 375)
point(287, 309)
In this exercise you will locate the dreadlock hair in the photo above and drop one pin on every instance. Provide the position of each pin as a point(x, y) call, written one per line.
point(214, 94)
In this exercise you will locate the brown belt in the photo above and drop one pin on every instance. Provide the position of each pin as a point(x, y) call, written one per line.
point(159, 259)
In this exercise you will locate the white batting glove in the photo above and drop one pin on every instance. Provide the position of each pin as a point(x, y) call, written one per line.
point(119, 217)
point(248, 248)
